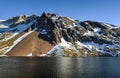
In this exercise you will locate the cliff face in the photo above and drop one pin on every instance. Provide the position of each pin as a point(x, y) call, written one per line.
point(48, 29)
point(56, 35)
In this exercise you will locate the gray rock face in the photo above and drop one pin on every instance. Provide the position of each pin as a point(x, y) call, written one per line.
point(53, 27)
point(57, 27)
point(86, 31)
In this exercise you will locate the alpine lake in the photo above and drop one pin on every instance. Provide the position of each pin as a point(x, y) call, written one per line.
point(59, 67)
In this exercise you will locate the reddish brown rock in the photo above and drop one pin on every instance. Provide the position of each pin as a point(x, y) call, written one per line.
point(31, 44)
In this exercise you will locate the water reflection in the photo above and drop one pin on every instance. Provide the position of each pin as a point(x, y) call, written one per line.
point(62, 67)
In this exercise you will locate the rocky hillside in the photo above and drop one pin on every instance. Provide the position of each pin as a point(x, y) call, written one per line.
point(57, 36)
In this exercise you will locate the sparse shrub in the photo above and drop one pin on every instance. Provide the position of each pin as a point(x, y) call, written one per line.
point(53, 54)
point(70, 52)
point(94, 52)
point(9, 42)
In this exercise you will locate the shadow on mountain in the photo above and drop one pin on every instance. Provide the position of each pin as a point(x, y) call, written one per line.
point(46, 38)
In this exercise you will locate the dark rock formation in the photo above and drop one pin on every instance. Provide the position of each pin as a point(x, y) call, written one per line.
point(51, 28)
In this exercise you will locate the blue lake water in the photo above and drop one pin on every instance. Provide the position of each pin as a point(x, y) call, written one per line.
point(59, 67)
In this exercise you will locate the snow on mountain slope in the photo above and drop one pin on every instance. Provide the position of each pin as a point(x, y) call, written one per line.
point(19, 40)
point(1, 20)
point(15, 30)
point(3, 26)
point(87, 36)
point(68, 36)
point(7, 34)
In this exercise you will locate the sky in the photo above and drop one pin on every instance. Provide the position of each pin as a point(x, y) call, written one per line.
point(107, 11)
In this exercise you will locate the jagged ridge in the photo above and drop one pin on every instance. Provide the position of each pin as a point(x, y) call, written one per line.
point(71, 37)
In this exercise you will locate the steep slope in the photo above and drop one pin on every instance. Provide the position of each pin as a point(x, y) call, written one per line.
point(83, 37)
point(30, 44)
point(10, 31)
point(56, 35)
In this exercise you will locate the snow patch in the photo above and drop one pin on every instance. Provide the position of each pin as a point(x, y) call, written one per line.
point(43, 31)
point(20, 28)
point(5, 39)
point(4, 48)
point(43, 55)
point(54, 18)
point(55, 50)
point(23, 27)
point(80, 44)
point(96, 30)
point(19, 39)
point(92, 44)
point(110, 26)
point(71, 19)
point(58, 48)
point(89, 33)
point(3, 26)
point(29, 54)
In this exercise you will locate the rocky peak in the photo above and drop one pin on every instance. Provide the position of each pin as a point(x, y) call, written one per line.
point(16, 19)
point(83, 36)
point(54, 27)
point(20, 19)
point(48, 29)
point(72, 30)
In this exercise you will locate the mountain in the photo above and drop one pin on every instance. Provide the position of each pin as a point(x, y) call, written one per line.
point(55, 35)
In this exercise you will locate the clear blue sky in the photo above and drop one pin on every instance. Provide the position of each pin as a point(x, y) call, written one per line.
point(98, 10)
